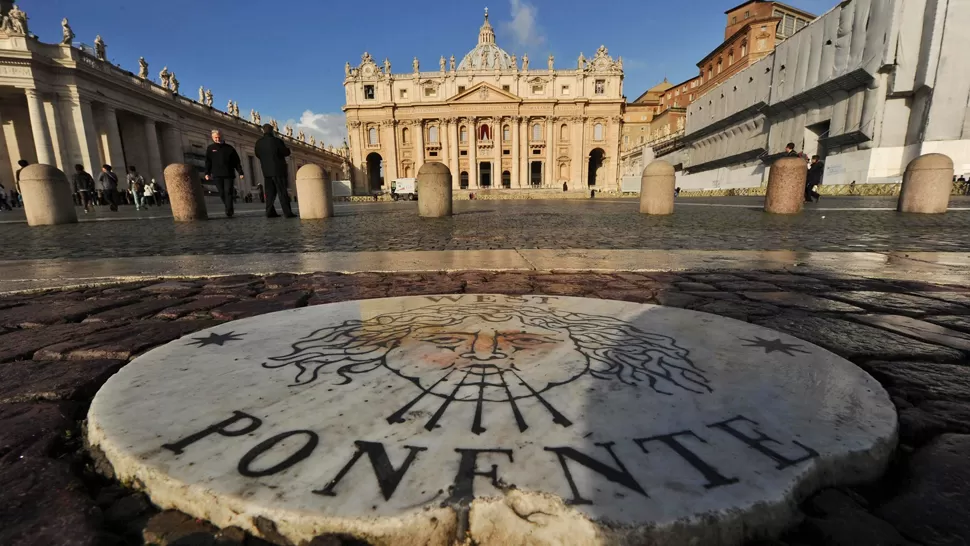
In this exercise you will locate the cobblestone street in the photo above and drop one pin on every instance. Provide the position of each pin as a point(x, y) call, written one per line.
point(836, 224)
point(58, 347)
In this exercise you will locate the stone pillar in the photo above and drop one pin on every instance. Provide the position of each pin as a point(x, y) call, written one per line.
point(58, 142)
point(453, 155)
point(112, 146)
point(418, 145)
point(87, 136)
point(248, 181)
point(48, 196)
point(315, 193)
point(579, 154)
point(657, 188)
point(185, 193)
point(154, 167)
point(389, 144)
point(434, 190)
point(174, 153)
point(516, 143)
point(38, 125)
point(786, 186)
point(927, 184)
point(472, 153)
point(524, 157)
point(550, 170)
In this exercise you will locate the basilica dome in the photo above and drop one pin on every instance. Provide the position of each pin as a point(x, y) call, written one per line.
point(486, 55)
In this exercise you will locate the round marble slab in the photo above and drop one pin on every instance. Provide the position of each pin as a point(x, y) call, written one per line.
point(499, 419)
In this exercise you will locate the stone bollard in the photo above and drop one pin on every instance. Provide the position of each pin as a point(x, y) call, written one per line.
point(657, 188)
point(48, 196)
point(927, 184)
point(434, 190)
point(185, 193)
point(314, 192)
point(786, 186)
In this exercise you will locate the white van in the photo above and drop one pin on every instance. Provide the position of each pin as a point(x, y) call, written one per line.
point(404, 188)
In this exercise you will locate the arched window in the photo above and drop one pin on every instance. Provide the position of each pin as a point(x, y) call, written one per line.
point(720, 62)
point(731, 57)
point(564, 132)
point(464, 134)
point(536, 131)
point(433, 134)
point(710, 72)
point(598, 131)
point(506, 133)
point(372, 136)
point(404, 135)
point(484, 132)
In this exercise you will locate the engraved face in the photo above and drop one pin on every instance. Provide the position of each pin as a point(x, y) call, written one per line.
point(511, 358)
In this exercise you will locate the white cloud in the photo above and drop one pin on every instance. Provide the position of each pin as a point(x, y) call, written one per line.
point(523, 28)
point(329, 128)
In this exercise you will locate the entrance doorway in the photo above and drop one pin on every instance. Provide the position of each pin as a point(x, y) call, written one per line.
point(506, 179)
point(485, 174)
point(595, 166)
point(463, 180)
point(535, 174)
point(375, 172)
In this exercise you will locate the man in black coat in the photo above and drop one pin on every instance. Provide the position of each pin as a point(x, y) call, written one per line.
point(221, 165)
point(272, 154)
point(814, 179)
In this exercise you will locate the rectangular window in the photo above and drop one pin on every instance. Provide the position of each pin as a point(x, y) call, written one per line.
point(565, 90)
point(536, 152)
point(506, 88)
point(789, 25)
point(369, 92)
point(747, 15)
point(433, 154)
point(463, 152)
point(404, 93)
point(734, 20)
point(461, 88)
point(430, 92)
point(600, 87)
point(537, 89)
point(506, 152)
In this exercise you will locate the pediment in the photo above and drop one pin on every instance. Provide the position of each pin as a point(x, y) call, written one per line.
point(484, 92)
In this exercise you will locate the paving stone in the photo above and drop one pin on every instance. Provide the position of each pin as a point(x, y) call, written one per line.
point(167, 527)
point(963, 298)
point(250, 308)
point(751, 286)
point(903, 304)
point(512, 284)
point(171, 286)
point(281, 280)
point(738, 310)
point(790, 278)
point(919, 381)
point(932, 509)
point(918, 329)
point(195, 307)
point(694, 286)
point(235, 280)
point(32, 429)
point(716, 277)
point(418, 288)
point(676, 299)
point(127, 508)
point(804, 302)
point(123, 342)
point(716, 295)
point(636, 295)
point(955, 322)
point(231, 536)
point(857, 341)
point(562, 289)
point(920, 424)
point(19, 344)
point(33, 380)
point(666, 277)
point(42, 503)
point(135, 311)
point(844, 523)
point(57, 311)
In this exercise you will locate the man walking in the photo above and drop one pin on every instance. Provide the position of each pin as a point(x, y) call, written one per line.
point(814, 179)
point(272, 154)
point(221, 165)
point(136, 186)
point(109, 186)
point(83, 186)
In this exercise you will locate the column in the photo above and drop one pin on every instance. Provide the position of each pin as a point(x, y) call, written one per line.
point(154, 169)
point(249, 181)
point(389, 146)
point(579, 155)
point(418, 146)
point(87, 136)
point(514, 127)
point(525, 179)
point(174, 153)
point(112, 145)
point(613, 143)
point(59, 144)
point(472, 153)
point(39, 128)
point(453, 151)
point(549, 174)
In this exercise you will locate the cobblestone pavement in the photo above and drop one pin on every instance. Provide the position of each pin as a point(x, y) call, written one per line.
point(481, 225)
point(58, 348)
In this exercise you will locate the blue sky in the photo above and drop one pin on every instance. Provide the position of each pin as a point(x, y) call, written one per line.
point(286, 58)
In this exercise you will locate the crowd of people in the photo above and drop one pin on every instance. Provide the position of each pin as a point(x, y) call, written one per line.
point(816, 170)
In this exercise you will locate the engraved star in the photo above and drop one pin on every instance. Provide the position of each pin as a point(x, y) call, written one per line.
point(772, 346)
point(215, 339)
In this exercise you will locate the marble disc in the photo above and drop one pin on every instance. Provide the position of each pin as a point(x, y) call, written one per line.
point(490, 418)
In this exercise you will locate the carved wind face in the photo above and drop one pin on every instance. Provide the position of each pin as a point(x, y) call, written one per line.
point(497, 360)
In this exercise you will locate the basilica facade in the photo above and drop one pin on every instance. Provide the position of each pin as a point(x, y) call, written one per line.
point(494, 120)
